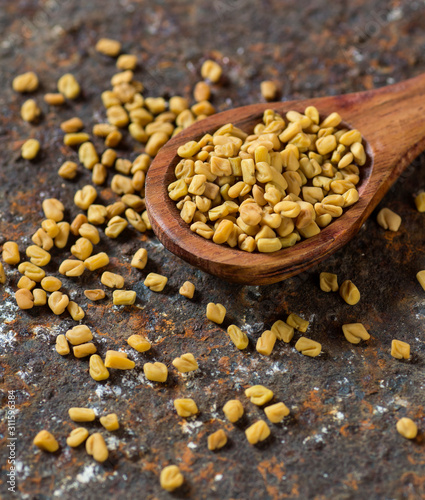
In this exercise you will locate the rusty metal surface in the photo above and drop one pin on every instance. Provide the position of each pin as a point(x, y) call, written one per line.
point(340, 441)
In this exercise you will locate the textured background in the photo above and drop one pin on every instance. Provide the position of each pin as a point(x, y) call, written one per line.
point(340, 441)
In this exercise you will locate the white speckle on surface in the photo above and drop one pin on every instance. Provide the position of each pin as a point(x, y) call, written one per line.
point(339, 416)
point(112, 442)
point(189, 427)
point(87, 474)
point(218, 477)
point(395, 14)
point(379, 409)
point(192, 445)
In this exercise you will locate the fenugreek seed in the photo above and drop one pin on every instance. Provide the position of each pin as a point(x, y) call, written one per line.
point(30, 149)
point(62, 346)
point(82, 249)
point(79, 220)
point(138, 342)
point(27, 82)
point(329, 282)
point(126, 61)
point(112, 280)
point(420, 276)
point(407, 428)
point(146, 220)
point(124, 297)
point(122, 165)
point(259, 395)
point(62, 238)
point(75, 139)
point(81, 414)
point(201, 92)
point(349, 292)
point(420, 202)
point(108, 47)
point(85, 197)
point(103, 129)
point(259, 431)
point(108, 158)
point(10, 253)
point(283, 331)
point(217, 440)
point(138, 180)
point(308, 347)
point(75, 311)
point(155, 105)
point(299, 323)
point(155, 282)
point(42, 239)
point(54, 99)
point(68, 170)
point(31, 271)
point(140, 259)
point(185, 363)
point(97, 369)
point(96, 214)
point(216, 313)
point(53, 209)
point(115, 227)
point(388, 219)
point(72, 125)
point(211, 70)
point(77, 437)
point(171, 478)
point(40, 297)
point(350, 137)
point(58, 302)
point(277, 412)
point(233, 410)
point(202, 109)
point(110, 422)
point(355, 332)
point(118, 360)
point(268, 90)
point(400, 349)
point(51, 284)
point(68, 86)
point(37, 255)
point(115, 209)
point(99, 174)
point(83, 350)
point(3, 275)
point(156, 372)
point(72, 268)
point(96, 261)
point(238, 337)
point(25, 282)
point(155, 143)
point(87, 155)
point(46, 441)
point(96, 447)
point(135, 220)
point(94, 295)
point(122, 185)
point(185, 407)
point(24, 298)
point(30, 111)
point(187, 289)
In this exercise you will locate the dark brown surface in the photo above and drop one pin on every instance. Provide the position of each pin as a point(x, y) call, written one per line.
point(340, 441)
point(390, 149)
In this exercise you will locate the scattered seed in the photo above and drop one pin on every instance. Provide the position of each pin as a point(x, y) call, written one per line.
point(46, 441)
point(259, 431)
point(407, 428)
point(308, 347)
point(400, 349)
point(156, 372)
point(185, 407)
point(171, 478)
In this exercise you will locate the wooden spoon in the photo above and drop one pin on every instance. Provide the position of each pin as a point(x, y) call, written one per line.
point(392, 122)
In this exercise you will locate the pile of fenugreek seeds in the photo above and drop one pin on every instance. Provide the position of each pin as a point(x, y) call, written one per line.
point(267, 190)
point(286, 181)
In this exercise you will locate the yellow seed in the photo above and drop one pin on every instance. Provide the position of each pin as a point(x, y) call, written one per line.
point(83, 350)
point(115, 227)
point(77, 437)
point(90, 232)
point(400, 349)
point(277, 412)
point(350, 137)
point(58, 302)
point(97, 370)
point(30, 149)
point(96, 261)
point(46, 441)
point(54, 99)
point(3, 275)
point(37, 255)
point(75, 311)
point(82, 249)
point(96, 214)
point(99, 174)
point(283, 331)
point(297, 322)
point(62, 238)
point(155, 143)
point(88, 155)
point(96, 447)
point(349, 292)
point(268, 90)
point(185, 407)
point(110, 422)
point(388, 219)
point(72, 125)
point(420, 276)
point(155, 282)
point(75, 225)
point(355, 332)
point(80, 334)
point(217, 440)
point(328, 282)
point(201, 92)
point(157, 372)
point(259, 395)
point(112, 280)
point(75, 139)
point(50, 227)
point(233, 410)
point(308, 347)
point(140, 259)
point(40, 297)
point(118, 360)
point(266, 342)
point(124, 297)
point(420, 202)
point(216, 313)
point(185, 363)
point(81, 414)
point(187, 289)
point(238, 337)
point(72, 268)
point(211, 70)
point(85, 197)
point(171, 478)
point(94, 295)
point(24, 298)
point(138, 342)
point(53, 209)
point(51, 284)
point(108, 47)
point(126, 61)
point(30, 111)
point(62, 346)
point(11, 253)
point(31, 271)
point(259, 431)
point(407, 428)
point(25, 282)
point(68, 86)
point(27, 82)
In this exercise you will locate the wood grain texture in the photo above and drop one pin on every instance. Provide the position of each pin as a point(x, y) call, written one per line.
point(391, 120)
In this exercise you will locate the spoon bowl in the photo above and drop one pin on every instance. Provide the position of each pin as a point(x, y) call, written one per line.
point(392, 122)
